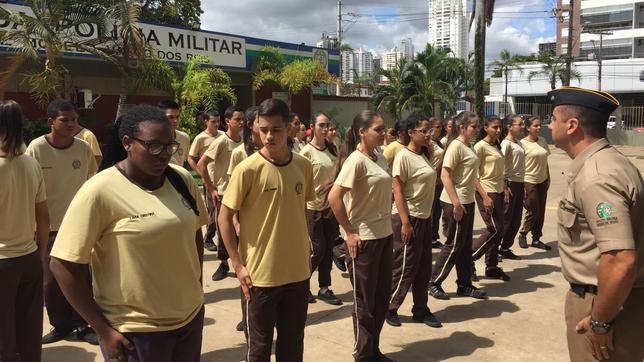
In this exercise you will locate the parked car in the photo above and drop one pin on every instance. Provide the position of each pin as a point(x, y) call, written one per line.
point(612, 122)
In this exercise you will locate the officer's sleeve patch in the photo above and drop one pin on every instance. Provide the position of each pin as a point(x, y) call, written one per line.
point(605, 212)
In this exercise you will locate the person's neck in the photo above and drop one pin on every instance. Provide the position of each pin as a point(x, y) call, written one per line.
point(212, 132)
point(578, 145)
point(59, 141)
point(532, 138)
point(367, 150)
point(511, 137)
point(137, 176)
point(233, 135)
point(279, 156)
point(463, 139)
point(318, 142)
point(413, 147)
point(257, 142)
point(489, 140)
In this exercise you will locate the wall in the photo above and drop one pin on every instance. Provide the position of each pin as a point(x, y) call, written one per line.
point(341, 109)
point(622, 137)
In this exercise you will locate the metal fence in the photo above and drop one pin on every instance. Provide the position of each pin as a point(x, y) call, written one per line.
point(631, 117)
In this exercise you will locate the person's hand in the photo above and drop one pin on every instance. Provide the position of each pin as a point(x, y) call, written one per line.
point(354, 243)
point(113, 343)
point(507, 193)
point(600, 345)
point(459, 211)
point(244, 279)
point(214, 195)
point(406, 232)
point(488, 204)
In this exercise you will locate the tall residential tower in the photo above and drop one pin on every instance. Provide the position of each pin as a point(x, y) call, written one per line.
point(448, 25)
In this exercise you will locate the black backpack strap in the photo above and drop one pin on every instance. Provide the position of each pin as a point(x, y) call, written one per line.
point(180, 185)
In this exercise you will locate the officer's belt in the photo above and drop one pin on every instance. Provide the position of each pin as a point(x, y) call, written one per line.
point(581, 289)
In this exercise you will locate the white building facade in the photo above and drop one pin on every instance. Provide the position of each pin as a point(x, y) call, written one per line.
point(358, 62)
point(448, 26)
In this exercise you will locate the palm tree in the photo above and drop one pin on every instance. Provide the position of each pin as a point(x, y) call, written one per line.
point(553, 68)
point(482, 12)
point(505, 65)
point(459, 75)
point(430, 79)
point(395, 97)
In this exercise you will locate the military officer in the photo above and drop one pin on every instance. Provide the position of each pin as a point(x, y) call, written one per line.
point(601, 233)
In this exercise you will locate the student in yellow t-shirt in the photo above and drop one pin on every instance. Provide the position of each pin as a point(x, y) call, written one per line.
point(172, 111)
point(213, 167)
point(361, 202)
point(414, 181)
point(24, 214)
point(537, 183)
point(394, 147)
point(66, 163)
point(448, 127)
point(138, 225)
point(198, 147)
point(270, 189)
point(459, 174)
point(490, 197)
point(293, 129)
point(437, 152)
point(86, 135)
point(323, 228)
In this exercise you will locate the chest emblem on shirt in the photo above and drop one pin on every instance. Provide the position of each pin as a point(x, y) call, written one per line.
point(298, 188)
point(76, 164)
point(605, 213)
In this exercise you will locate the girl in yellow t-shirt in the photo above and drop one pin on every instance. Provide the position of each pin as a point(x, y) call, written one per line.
point(24, 214)
point(459, 174)
point(490, 198)
point(361, 202)
point(413, 187)
point(323, 228)
point(537, 183)
point(438, 151)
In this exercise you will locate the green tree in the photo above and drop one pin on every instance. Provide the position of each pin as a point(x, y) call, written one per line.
point(482, 14)
point(174, 12)
point(553, 68)
point(429, 78)
point(459, 74)
point(504, 66)
point(395, 96)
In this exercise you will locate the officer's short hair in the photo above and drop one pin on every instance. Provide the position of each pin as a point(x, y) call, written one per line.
point(592, 121)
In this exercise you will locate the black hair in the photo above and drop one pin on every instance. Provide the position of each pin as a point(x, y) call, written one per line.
point(362, 120)
point(274, 107)
point(462, 119)
point(247, 135)
point(228, 114)
point(58, 105)
point(292, 116)
point(168, 104)
point(507, 122)
point(397, 128)
point(329, 145)
point(482, 132)
point(444, 130)
point(411, 123)
point(211, 113)
point(592, 122)
point(11, 134)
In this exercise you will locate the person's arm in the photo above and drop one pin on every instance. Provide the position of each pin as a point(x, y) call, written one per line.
point(450, 189)
point(42, 231)
point(354, 243)
point(73, 282)
point(227, 230)
point(193, 164)
point(488, 204)
point(199, 245)
point(202, 169)
point(406, 231)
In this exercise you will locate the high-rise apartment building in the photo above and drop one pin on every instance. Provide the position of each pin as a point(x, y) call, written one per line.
point(406, 47)
point(358, 62)
point(448, 25)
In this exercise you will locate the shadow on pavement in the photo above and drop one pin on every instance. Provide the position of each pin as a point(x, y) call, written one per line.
point(67, 354)
point(457, 344)
point(237, 353)
point(477, 310)
point(220, 294)
point(208, 321)
point(325, 316)
point(531, 271)
point(538, 254)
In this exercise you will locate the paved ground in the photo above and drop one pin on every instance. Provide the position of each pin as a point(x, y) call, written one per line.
point(522, 320)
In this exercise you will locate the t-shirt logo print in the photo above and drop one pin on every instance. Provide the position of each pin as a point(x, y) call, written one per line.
point(76, 164)
point(298, 188)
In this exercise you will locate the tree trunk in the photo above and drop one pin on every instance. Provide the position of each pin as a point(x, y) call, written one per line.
point(122, 106)
point(479, 59)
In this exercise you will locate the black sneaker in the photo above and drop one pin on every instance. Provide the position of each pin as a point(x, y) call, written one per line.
point(329, 298)
point(240, 326)
point(221, 272)
point(437, 292)
point(437, 244)
point(429, 319)
point(87, 334)
point(540, 245)
point(379, 357)
point(311, 298)
point(56, 334)
point(497, 273)
point(471, 291)
point(210, 245)
point(523, 241)
point(340, 264)
point(392, 319)
point(507, 253)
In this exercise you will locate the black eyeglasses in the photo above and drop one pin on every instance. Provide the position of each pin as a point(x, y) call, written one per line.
point(155, 149)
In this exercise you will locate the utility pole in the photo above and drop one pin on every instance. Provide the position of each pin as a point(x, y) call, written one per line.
point(339, 31)
point(571, 11)
point(599, 53)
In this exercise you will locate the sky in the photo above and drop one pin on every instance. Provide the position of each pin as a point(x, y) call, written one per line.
point(376, 25)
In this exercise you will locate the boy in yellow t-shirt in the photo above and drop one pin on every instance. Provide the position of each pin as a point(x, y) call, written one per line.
point(270, 190)
point(172, 111)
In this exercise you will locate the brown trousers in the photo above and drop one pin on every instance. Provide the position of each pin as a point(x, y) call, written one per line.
point(61, 314)
point(436, 212)
point(412, 265)
point(323, 230)
point(628, 327)
point(490, 239)
point(21, 308)
point(534, 202)
point(370, 275)
point(457, 249)
point(211, 207)
point(512, 214)
point(283, 308)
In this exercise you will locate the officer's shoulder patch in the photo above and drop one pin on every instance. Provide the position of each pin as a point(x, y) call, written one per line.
point(605, 213)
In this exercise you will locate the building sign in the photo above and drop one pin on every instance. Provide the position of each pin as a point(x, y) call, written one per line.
point(169, 43)
point(322, 57)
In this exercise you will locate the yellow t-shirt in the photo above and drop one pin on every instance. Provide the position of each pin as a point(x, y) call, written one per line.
point(297, 145)
point(491, 168)
point(64, 171)
point(368, 201)
point(514, 160)
point(21, 188)
point(391, 150)
point(437, 155)
point(219, 152)
point(89, 137)
point(419, 177)
point(141, 247)
point(536, 160)
point(179, 158)
point(464, 164)
point(236, 157)
point(201, 143)
point(274, 241)
point(323, 163)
